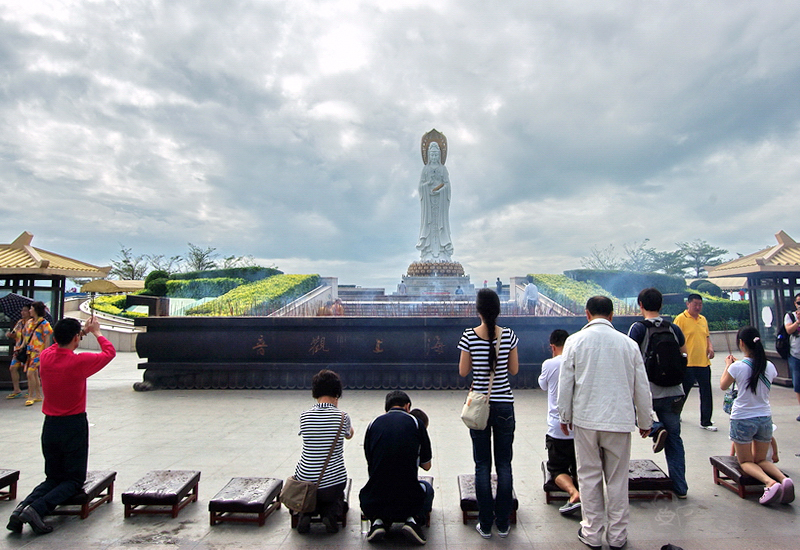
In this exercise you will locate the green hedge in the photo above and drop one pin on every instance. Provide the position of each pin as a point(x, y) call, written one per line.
point(258, 298)
point(202, 288)
point(249, 274)
point(114, 305)
point(628, 283)
point(720, 313)
point(573, 294)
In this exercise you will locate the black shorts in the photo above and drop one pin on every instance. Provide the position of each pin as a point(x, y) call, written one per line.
point(560, 457)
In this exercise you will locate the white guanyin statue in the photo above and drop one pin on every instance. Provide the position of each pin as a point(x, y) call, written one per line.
point(434, 196)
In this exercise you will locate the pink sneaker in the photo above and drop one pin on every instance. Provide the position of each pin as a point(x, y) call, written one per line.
point(787, 487)
point(771, 494)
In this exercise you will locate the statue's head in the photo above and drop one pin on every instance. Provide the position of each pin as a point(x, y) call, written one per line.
point(434, 154)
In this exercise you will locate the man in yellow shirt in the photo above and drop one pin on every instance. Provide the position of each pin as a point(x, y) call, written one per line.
point(700, 352)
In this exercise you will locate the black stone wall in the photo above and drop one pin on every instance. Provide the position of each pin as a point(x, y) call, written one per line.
point(368, 353)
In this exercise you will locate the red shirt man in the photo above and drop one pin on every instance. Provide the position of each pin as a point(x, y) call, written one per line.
point(65, 433)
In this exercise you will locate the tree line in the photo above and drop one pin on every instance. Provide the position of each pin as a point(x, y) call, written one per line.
point(691, 257)
point(129, 266)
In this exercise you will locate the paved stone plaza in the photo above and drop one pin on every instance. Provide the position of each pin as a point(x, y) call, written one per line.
point(254, 433)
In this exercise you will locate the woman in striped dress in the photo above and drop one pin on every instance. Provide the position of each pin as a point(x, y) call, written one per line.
point(479, 356)
point(319, 426)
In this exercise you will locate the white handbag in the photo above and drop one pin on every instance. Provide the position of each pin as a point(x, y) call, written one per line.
point(475, 412)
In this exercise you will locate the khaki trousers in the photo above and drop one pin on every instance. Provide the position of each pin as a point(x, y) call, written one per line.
point(603, 456)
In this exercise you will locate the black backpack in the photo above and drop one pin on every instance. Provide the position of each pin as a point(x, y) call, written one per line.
point(782, 343)
point(663, 360)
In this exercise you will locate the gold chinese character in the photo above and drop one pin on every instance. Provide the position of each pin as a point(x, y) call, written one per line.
point(317, 345)
point(437, 346)
point(378, 348)
point(261, 345)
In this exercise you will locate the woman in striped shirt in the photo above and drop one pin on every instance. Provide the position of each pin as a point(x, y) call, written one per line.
point(319, 427)
point(479, 356)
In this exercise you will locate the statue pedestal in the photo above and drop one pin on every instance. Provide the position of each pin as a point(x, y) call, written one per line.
point(444, 287)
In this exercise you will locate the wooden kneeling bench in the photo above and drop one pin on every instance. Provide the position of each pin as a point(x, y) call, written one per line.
point(645, 480)
point(9, 478)
point(98, 489)
point(316, 518)
point(728, 472)
point(244, 497)
point(469, 500)
point(173, 489)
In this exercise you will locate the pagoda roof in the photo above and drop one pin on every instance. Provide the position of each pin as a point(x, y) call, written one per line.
point(20, 258)
point(105, 286)
point(784, 257)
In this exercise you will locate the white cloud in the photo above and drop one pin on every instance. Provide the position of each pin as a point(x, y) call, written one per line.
point(291, 129)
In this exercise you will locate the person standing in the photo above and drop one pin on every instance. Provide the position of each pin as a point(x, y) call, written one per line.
point(479, 355)
point(396, 445)
point(65, 432)
point(20, 334)
point(561, 464)
point(603, 394)
point(791, 322)
point(39, 339)
point(667, 400)
point(700, 352)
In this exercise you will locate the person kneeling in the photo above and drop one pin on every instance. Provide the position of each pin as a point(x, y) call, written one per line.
point(395, 443)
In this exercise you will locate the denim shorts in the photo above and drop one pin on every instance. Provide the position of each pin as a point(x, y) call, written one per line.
point(745, 430)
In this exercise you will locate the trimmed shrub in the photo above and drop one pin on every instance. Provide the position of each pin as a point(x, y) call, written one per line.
point(709, 288)
point(153, 275)
point(258, 298)
point(201, 288)
point(157, 287)
point(573, 294)
point(628, 284)
point(249, 274)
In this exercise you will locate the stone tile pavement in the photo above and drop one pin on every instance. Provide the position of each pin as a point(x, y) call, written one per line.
point(254, 433)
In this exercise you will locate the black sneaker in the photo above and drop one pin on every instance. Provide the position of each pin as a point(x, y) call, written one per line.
point(413, 532)
point(659, 440)
point(569, 508)
point(32, 517)
point(376, 532)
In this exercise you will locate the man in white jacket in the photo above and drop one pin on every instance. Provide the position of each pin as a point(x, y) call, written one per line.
point(603, 394)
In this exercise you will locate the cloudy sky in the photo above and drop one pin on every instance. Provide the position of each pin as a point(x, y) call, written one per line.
point(290, 130)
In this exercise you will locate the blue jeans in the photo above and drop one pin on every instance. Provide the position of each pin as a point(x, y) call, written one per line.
point(501, 423)
point(703, 377)
point(668, 411)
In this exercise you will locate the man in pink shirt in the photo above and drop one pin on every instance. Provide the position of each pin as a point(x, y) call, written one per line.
point(65, 433)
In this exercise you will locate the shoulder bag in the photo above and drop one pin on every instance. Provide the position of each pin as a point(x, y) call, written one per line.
point(475, 413)
point(22, 353)
point(301, 496)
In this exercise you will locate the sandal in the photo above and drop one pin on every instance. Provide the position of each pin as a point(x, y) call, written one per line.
point(37, 400)
point(29, 402)
point(13, 395)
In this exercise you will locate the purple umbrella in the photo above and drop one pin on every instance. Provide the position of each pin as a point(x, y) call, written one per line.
point(11, 304)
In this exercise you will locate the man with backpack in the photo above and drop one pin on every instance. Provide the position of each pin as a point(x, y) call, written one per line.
point(664, 352)
point(791, 325)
